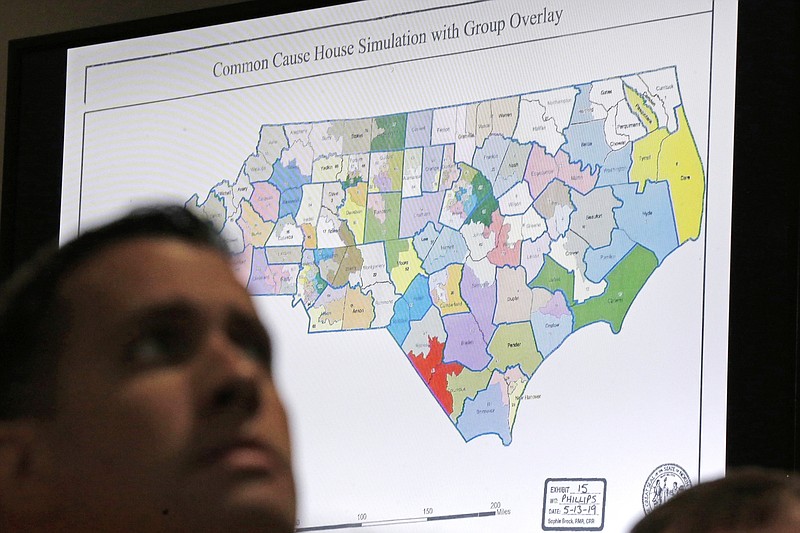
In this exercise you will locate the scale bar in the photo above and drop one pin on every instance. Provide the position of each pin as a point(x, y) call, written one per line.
point(398, 521)
point(458, 516)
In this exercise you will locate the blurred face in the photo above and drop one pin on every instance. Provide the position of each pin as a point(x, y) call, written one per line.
point(787, 521)
point(167, 415)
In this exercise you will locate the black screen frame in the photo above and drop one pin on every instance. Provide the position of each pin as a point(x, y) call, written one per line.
point(763, 326)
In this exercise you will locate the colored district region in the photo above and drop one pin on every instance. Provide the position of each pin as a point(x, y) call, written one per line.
point(480, 235)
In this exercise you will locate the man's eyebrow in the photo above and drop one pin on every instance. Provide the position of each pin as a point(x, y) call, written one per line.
point(181, 309)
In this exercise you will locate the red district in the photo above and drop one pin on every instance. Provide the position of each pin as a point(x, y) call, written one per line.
point(435, 372)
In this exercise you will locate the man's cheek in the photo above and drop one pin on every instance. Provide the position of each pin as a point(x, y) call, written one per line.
point(157, 416)
point(279, 424)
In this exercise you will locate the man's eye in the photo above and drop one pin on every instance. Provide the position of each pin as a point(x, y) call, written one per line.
point(249, 335)
point(257, 351)
point(253, 342)
point(157, 348)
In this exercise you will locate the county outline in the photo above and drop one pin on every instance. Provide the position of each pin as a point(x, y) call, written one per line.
point(481, 235)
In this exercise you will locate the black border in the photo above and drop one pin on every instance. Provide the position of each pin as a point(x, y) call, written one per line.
point(763, 364)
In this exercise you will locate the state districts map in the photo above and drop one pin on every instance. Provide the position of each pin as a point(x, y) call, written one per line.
point(480, 235)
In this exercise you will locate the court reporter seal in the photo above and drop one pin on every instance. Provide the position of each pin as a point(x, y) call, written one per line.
point(662, 484)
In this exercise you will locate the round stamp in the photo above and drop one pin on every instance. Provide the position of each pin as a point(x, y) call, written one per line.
point(662, 484)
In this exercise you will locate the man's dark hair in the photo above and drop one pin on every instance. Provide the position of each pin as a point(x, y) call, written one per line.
point(746, 499)
point(33, 319)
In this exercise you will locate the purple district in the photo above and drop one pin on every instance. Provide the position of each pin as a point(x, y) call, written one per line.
point(465, 343)
point(330, 295)
point(416, 211)
point(533, 253)
point(418, 129)
point(557, 306)
point(481, 299)
point(260, 281)
point(382, 182)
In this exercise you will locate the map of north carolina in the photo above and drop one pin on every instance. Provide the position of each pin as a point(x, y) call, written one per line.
point(480, 235)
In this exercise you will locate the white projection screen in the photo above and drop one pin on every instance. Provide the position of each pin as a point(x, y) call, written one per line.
point(491, 240)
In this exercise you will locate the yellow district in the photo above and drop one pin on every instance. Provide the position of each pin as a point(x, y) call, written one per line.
point(679, 163)
point(645, 158)
point(408, 266)
point(452, 303)
point(305, 280)
point(260, 229)
point(326, 169)
point(466, 385)
point(641, 109)
point(515, 391)
point(354, 210)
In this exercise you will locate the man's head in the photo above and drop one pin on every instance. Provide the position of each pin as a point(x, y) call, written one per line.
point(136, 388)
point(745, 501)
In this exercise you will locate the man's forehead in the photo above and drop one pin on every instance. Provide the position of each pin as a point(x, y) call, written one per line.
point(153, 268)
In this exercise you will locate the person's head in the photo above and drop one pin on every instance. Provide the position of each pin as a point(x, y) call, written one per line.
point(745, 501)
point(136, 390)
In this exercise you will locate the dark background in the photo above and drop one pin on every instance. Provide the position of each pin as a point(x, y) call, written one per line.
point(762, 383)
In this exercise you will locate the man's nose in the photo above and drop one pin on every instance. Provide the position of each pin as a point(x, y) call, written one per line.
point(229, 378)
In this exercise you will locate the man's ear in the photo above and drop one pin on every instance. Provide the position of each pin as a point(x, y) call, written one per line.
point(22, 481)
